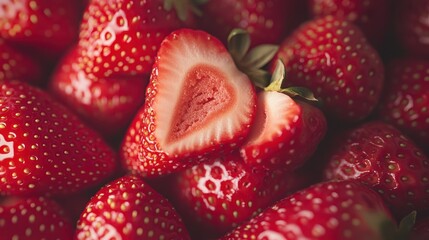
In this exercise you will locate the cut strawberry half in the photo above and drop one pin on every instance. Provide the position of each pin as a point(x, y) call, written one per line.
point(197, 103)
point(286, 131)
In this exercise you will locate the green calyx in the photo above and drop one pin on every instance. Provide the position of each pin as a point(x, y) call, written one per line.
point(252, 62)
point(182, 8)
point(277, 80)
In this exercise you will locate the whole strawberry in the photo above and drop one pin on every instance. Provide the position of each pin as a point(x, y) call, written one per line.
point(198, 104)
point(33, 218)
point(45, 27)
point(121, 38)
point(44, 148)
point(371, 16)
point(128, 208)
point(266, 21)
point(107, 105)
point(328, 210)
point(379, 155)
point(406, 98)
point(332, 58)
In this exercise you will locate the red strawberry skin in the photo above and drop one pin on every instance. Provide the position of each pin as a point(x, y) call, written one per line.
point(34, 218)
point(44, 148)
point(128, 208)
point(332, 57)
point(406, 98)
point(380, 156)
point(328, 210)
point(120, 38)
point(193, 109)
point(18, 66)
point(371, 16)
point(412, 27)
point(108, 105)
point(46, 27)
point(219, 194)
point(276, 17)
point(285, 134)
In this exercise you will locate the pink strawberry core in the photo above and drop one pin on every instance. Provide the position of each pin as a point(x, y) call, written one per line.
point(205, 95)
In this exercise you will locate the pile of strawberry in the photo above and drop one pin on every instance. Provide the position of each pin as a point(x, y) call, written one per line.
point(214, 119)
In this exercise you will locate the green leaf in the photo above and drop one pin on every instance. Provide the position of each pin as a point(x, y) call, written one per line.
point(406, 225)
point(259, 56)
point(259, 77)
point(238, 44)
point(299, 92)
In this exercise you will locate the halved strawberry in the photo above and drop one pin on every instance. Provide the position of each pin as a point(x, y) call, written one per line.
point(44, 148)
point(46, 27)
point(121, 38)
point(34, 218)
point(128, 208)
point(286, 131)
point(108, 105)
point(197, 103)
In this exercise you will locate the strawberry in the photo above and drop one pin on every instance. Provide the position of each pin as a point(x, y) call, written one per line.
point(412, 27)
point(16, 65)
point(108, 105)
point(327, 210)
point(332, 58)
point(217, 195)
point(46, 27)
point(128, 208)
point(121, 38)
point(33, 218)
point(380, 156)
point(286, 131)
point(406, 98)
point(44, 148)
point(371, 16)
point(266, 21)
point(197, 104)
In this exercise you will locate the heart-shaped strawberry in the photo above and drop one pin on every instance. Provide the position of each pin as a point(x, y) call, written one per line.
point(197, 103)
